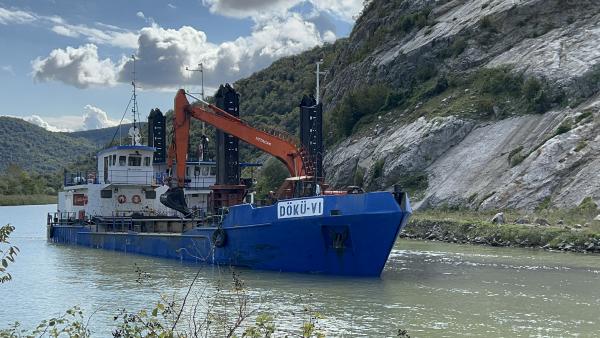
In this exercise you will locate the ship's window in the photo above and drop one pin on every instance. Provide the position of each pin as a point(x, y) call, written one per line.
point(135, 161)
point(122, 160)
point(213, 171)
point(107, 193)
point(187, 171)
point(106, 161)
point(205, 170)
point(197, 170)
point(114, 159)
point(110, 161)
point(150, 194)
point(147, 161)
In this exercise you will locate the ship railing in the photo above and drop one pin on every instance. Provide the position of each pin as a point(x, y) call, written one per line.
point(79, 177)
point(66, 218)
point(114, 224)
point(199, 182)
point(124, 176)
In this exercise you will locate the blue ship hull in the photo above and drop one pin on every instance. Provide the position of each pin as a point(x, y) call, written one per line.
point(352, 235)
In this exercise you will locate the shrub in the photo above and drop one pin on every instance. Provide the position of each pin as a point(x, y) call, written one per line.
point(531, 88)
point(515, 156)
point(356, 105)
point(458, 46)
point(580, 145)
point(564, 127)
point(541, 103)
point(485, 105)
point(498, 81)
point(425, 71)
point(378, 168)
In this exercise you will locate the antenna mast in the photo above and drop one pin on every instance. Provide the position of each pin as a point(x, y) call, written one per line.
point(318, 75)
point(135, 137)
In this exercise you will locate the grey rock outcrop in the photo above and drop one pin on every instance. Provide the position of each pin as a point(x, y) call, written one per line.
point(460, 161)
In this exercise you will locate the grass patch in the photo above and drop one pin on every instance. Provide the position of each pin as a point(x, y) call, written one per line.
point(27, 199)
point(515, 156)
point(474, 227)
point(564, 127)
point(580, 145)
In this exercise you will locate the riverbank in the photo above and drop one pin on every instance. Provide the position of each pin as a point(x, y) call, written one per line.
point(475, 228)
point(7, 200)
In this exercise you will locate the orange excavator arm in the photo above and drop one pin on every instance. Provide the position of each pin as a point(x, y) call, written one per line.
point(294, 158)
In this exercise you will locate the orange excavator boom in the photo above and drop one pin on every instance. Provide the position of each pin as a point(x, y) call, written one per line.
point(294, 157)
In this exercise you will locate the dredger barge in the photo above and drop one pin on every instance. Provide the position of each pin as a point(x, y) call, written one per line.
point(145, 199)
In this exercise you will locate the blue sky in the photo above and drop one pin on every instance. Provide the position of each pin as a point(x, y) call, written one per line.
point(66, 65)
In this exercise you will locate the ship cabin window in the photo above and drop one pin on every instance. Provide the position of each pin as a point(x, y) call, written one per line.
point(114, 159)
point(205, 170)
point(147, 161)
point(108, 160)
point(122, 160)
point(135, 161)
point(213, 171)
point(187, 171)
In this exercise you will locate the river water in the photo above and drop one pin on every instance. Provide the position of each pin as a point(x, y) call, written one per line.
point(427, 288)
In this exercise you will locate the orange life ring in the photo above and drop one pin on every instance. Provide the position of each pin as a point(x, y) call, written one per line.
point(136, 199)
point(122, 199)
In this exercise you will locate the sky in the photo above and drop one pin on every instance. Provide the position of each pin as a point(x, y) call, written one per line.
point(67, 65)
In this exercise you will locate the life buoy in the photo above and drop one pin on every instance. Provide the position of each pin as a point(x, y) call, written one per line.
point(122, 199)
point(136, 199)
point(219, 238)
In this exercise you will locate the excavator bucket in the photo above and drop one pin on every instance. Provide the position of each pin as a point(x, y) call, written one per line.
point(175, 199)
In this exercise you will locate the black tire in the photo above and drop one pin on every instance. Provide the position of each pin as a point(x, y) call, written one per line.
point(219, 238)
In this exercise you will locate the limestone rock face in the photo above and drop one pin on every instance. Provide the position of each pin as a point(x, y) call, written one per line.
point(516, 161)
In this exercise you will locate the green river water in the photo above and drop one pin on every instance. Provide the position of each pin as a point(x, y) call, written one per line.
point(428, 288)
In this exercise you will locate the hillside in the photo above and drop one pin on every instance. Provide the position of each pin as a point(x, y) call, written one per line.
point(488, 104)
point(478, 104)
point(101, 137)
point(36, 149)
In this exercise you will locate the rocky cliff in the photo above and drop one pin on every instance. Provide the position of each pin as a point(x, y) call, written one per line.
point(498, 102)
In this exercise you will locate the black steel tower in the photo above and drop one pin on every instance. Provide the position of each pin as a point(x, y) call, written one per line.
point(228, 167)
point(311, 131)
point(156, 134)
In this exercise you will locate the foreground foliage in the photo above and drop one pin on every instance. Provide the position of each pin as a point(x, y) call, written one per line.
point(8, 252)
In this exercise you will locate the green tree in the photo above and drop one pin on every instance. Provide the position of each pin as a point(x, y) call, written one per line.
point(271, 176)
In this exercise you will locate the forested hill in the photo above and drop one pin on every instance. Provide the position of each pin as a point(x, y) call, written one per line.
point(102, 137)
point(34, 148)
point(271, 96)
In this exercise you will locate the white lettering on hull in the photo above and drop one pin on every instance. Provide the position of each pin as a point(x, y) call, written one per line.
point(300, 208)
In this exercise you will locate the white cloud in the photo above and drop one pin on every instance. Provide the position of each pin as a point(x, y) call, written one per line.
point(343, 9)
point(104, 35)
point(8, 16)
point(65, 31)
point(249, 8)
point(80, 67)
point(163, 54)
point(92, 118)
point(140, 14)
point(112, 37)
point(96, 118)
point(8, 69)
point(37, 120)
point(170, 5)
